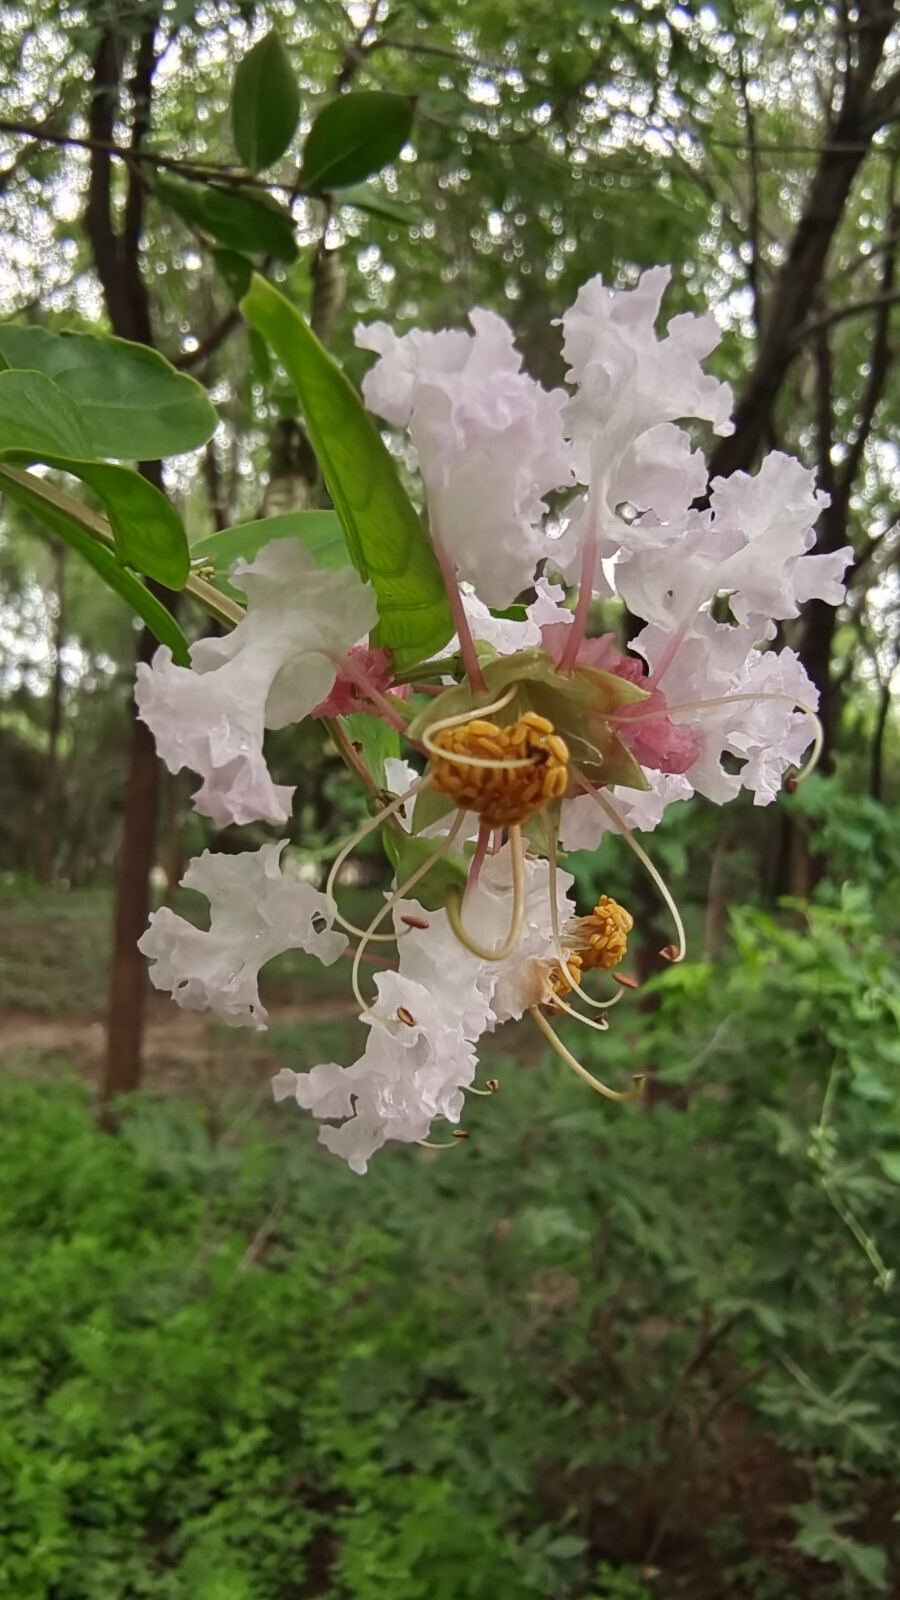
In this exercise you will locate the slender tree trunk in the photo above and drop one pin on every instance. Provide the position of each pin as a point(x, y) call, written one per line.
point(117, 259)
point(876, 767)
point(46, 848)
point(716, 921)
point(128, 978)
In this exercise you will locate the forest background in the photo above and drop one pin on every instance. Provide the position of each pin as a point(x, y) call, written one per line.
point(588, 1355)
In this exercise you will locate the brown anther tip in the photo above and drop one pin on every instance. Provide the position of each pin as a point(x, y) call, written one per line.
point(405, 1015)
point(492, 1085)
point(416, 922)
point(460, 1133)
point(625, 979)
point(790, 783)
point(669, 952)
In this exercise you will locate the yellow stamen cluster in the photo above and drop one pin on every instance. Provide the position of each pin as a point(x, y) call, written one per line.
point(603, 936)
point(526, 765)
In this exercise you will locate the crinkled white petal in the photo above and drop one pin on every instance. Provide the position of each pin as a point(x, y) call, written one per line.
point(771, 574)
point(715, 662)
point(584, 823)
point(415, 1067)
point(268, 672)
point(482, 993)
point(256, 911)
point(489, 442)
point(633, 387)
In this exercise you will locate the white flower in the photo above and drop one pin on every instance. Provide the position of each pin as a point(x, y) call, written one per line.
point(752, 545)
point(508, 634)
point(482, 993)
point(268, 672)
point(415, 1067)
point(488, 439)
point(632, 388)
point(256, 911)
point(717, 662)
point(772, 575)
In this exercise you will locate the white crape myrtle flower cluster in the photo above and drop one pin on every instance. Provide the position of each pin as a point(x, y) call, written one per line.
point(587, 737)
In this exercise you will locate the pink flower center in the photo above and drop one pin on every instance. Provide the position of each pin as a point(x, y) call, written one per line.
point(645, 727)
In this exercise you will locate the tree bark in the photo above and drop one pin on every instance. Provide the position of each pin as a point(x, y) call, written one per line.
point(846, 143)
point(118, 265)
point(876, 768)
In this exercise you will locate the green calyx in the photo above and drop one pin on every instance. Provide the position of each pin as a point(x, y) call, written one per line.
point(579, 704)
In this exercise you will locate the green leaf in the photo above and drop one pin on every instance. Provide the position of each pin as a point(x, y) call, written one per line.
point(407, 854)
point(385, 537)
point(319, 531)
point(38, 422)
point(38, 498)
point(149, 533)
point(353, 137)
point(36, 416)
point(889, 1162)
point(376, 742)
point(235, 270)
point(131, 403)
point(265, 104)
point(376, 204)
point(253, 223)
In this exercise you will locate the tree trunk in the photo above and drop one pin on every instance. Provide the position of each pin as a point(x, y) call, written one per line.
point(876, 768)
point(118, 263)
point(128, 977)
point(716, 921)
point(46, 841)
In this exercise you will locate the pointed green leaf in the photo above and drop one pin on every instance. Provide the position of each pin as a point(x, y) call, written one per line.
point(36, 497)
point(244, 221)
point(131, 403)
point(38, 422)
point(319, 531)
point(353, 137)
point(376, 203)
point(387, 542)
point(265, 105)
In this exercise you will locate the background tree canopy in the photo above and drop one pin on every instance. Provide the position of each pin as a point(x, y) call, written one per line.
point(608, 1324)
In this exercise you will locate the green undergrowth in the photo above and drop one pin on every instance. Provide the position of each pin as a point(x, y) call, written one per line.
point(551, 1361)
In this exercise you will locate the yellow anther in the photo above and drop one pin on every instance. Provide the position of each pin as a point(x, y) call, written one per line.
point(602, 938)
point(525, 766)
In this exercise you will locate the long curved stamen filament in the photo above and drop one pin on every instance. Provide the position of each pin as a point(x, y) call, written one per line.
point(565, 1055)
point(736, 699)
point(600, 1023)
point(621, 825)
point(356, 839)
point(369, 934)
point(477, 713)
point(517, 853)
point(559, 952)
